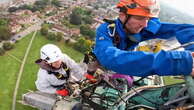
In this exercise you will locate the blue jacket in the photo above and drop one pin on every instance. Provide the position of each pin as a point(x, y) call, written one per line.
point(139, 63)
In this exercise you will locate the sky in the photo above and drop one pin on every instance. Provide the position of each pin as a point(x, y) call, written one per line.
point(1, 1)
point(186, 6)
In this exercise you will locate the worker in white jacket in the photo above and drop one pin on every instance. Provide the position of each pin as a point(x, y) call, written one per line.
point(55, 69)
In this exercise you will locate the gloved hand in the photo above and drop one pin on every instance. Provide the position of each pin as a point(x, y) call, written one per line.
point(91, 78)
point(62, 92)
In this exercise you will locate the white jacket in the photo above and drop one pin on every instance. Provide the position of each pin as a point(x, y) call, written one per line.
point(45, 81)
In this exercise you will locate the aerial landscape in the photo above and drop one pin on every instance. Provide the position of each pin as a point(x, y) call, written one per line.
point(74, 30)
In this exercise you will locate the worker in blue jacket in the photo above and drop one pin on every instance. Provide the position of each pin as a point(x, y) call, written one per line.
point(138, 22)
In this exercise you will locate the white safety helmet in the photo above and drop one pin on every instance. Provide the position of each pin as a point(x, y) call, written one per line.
point(50, 53)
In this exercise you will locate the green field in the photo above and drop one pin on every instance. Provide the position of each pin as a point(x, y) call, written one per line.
point(9, 69)
point(168, 80)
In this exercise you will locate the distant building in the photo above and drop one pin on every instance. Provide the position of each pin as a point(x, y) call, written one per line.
point(28, 1)
point(50, 22)
point(49, 9)
point(74, 31)
point(22, 2)
point(60, 28)
point(23, 12)
point(23, 17)
point(66, 31)
point(67, 3)
point(14, 27)
point(89, 7)
point(28, 19)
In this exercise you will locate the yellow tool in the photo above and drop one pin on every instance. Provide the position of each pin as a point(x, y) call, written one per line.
point(154, 47)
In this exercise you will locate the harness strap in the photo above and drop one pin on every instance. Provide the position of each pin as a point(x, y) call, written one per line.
point(58, 86)
point(60, 75)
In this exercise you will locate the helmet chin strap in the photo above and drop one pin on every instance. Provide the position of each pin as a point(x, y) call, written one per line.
point(125, 22)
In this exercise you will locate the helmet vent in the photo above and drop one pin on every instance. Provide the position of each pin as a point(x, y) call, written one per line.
point(47, 58)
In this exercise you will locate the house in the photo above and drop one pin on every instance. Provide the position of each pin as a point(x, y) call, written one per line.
point(74, 31)
point(67, 3)
point(50, 22)
point(24, 17)
point(23, 12)
point(28, 1)
point(89, 7)
point(14, 27)
point(49, 9)
point(59, 28)
point(28, 19)
point(66, 31)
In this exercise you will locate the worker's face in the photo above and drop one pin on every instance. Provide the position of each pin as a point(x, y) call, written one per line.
point(56, 64)
point(136, 23)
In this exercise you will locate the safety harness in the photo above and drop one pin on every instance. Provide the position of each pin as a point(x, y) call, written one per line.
point(51, 70)
point(60, 75)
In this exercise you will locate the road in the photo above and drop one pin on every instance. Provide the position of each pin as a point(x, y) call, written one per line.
point(27, 31)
